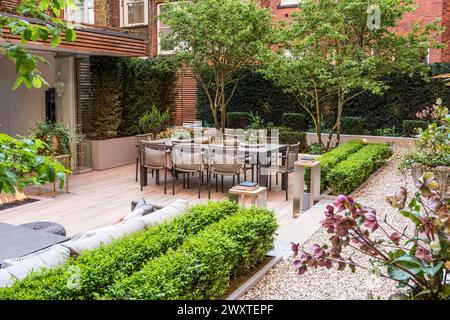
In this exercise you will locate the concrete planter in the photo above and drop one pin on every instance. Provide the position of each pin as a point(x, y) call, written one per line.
point(112, 153)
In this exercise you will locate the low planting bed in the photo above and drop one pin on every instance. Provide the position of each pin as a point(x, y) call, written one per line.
point(97, 271)
point(350, 173)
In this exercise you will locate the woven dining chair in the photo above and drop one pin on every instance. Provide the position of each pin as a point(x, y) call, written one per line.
point(139, 138)
point(155, 156)
point(223, 161)
point(187, 159)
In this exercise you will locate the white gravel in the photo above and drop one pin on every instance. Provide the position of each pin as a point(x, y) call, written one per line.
point(284, 283)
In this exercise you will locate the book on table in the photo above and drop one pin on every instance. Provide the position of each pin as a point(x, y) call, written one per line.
point(247, 186)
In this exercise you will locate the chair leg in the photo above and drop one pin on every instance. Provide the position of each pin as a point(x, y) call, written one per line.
point(221, 183)
point(245, 174)
point(217, 183)
point(184, 181)
point(188, 180)
point(276, 178)
point(253, 172)
point(287, 187)
point(270, 182)
point(233, 182)
point(173, 181)
point(165, 180)
point(200, 177)
point(239, 178)
point(137, 164)
point(209, 184)
point(157, 177)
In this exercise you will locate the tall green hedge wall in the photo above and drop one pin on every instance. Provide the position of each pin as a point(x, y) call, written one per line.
point(142, 83)
point(402, 101)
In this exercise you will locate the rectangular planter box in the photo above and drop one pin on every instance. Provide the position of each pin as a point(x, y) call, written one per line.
point(112, 153)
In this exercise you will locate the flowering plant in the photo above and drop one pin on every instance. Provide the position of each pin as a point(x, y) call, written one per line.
point(418, 261)
point(433, 144)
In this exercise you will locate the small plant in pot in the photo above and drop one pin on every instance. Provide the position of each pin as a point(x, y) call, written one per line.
point(154, 121)
point(57, 137)
point(418, 262)
point(432, 151)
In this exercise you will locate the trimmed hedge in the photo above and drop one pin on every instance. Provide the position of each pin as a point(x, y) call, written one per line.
point(352, 125)
point(332, 158)
point(410, 127)
point(107, 264)
point(238, 120)
point(295, 121)
point(350, 173)
point(204, 265)
point(287, 136)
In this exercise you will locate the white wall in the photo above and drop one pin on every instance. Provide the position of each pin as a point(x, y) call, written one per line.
point(20, 108)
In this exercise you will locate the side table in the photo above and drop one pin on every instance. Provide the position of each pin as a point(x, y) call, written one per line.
point(299, 184)
point(257, 197)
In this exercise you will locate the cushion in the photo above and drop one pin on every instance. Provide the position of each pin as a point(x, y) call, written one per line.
point(104, 236)
point(169, 212)
point(6, 278)
point(49, 258)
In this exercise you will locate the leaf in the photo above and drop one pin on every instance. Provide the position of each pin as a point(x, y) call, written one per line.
point(432, 270)
point(37, 82)
point(398, 274)
point(18, 82)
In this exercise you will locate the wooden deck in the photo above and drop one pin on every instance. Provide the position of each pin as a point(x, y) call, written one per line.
point(99, 198)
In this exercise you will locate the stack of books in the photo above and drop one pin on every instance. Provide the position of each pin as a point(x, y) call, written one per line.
point(247, 186)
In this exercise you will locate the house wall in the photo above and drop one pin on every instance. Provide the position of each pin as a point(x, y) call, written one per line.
point(20, 108)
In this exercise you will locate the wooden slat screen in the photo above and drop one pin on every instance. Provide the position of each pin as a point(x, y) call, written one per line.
point(186, 97)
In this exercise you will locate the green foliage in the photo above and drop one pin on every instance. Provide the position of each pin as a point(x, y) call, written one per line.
point(255, 94)
point(386, 132)
point(22, 165)
point(145, 83)
point(352, 125)
point(217, 39)
point(319, 59)
point(154, 121)
point(404, 97)
point(204, 265)
point(256, 121)
point(238, 120)
point(295, 121)
point(176, 133)
point(106, 97)
point(350, 173)
point(433, 145)
point(332, 158)
point(102, 267)
point(45, 26)
point(410, 127)
point(58, 137)
point(289, 136)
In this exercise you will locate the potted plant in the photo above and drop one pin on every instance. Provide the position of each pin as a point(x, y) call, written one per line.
point(432, 151)
point(418, 262)
point(154, 121)
point(58, 138)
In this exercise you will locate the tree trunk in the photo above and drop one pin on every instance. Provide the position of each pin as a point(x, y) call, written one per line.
point(339, 117)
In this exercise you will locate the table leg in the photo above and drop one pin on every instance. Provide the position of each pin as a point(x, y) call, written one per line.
point(299, 189)
point(262, 200)
point(315, 178)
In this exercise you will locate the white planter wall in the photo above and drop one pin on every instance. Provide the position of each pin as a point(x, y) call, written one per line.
point(112, 153)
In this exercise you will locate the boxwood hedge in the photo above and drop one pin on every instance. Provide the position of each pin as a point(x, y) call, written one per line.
point(331, 159)
point(350, 173)
point(99, 268)
point(204, 265)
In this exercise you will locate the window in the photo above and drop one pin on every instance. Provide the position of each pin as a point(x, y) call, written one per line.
point(289, 2)
point(134, 12)
point(82, 13)
point(163, 30)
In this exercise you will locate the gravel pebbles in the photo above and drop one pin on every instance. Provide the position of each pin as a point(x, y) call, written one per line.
point(284, 283)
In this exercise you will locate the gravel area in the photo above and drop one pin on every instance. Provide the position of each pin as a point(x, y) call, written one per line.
point(284, 283)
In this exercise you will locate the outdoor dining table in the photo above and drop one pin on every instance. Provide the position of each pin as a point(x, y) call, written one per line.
point(17, 241)
point(262, 151)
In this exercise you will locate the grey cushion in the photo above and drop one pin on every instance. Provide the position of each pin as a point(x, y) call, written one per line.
point(169, 212)
point(19, 268)
point(6, 278)
point(104, 236)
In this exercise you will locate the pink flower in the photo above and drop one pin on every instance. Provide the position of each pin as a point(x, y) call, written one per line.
point(370, 221)
point(427, 225)
point(398, 199)
point(340, 202)
point(395, 238)
point(424, 254)
point(294, 247)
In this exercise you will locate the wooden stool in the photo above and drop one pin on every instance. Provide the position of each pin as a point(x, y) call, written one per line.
point(257, 197)
point(299, 184)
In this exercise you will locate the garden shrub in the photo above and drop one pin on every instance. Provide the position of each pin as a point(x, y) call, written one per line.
point(350, 173)
point(238, 120)
point(410, 127)
point(288, 136)
point(202, 267)
point(331, 159)
point(109, 263)
point(352, 125)
point(295, 121)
